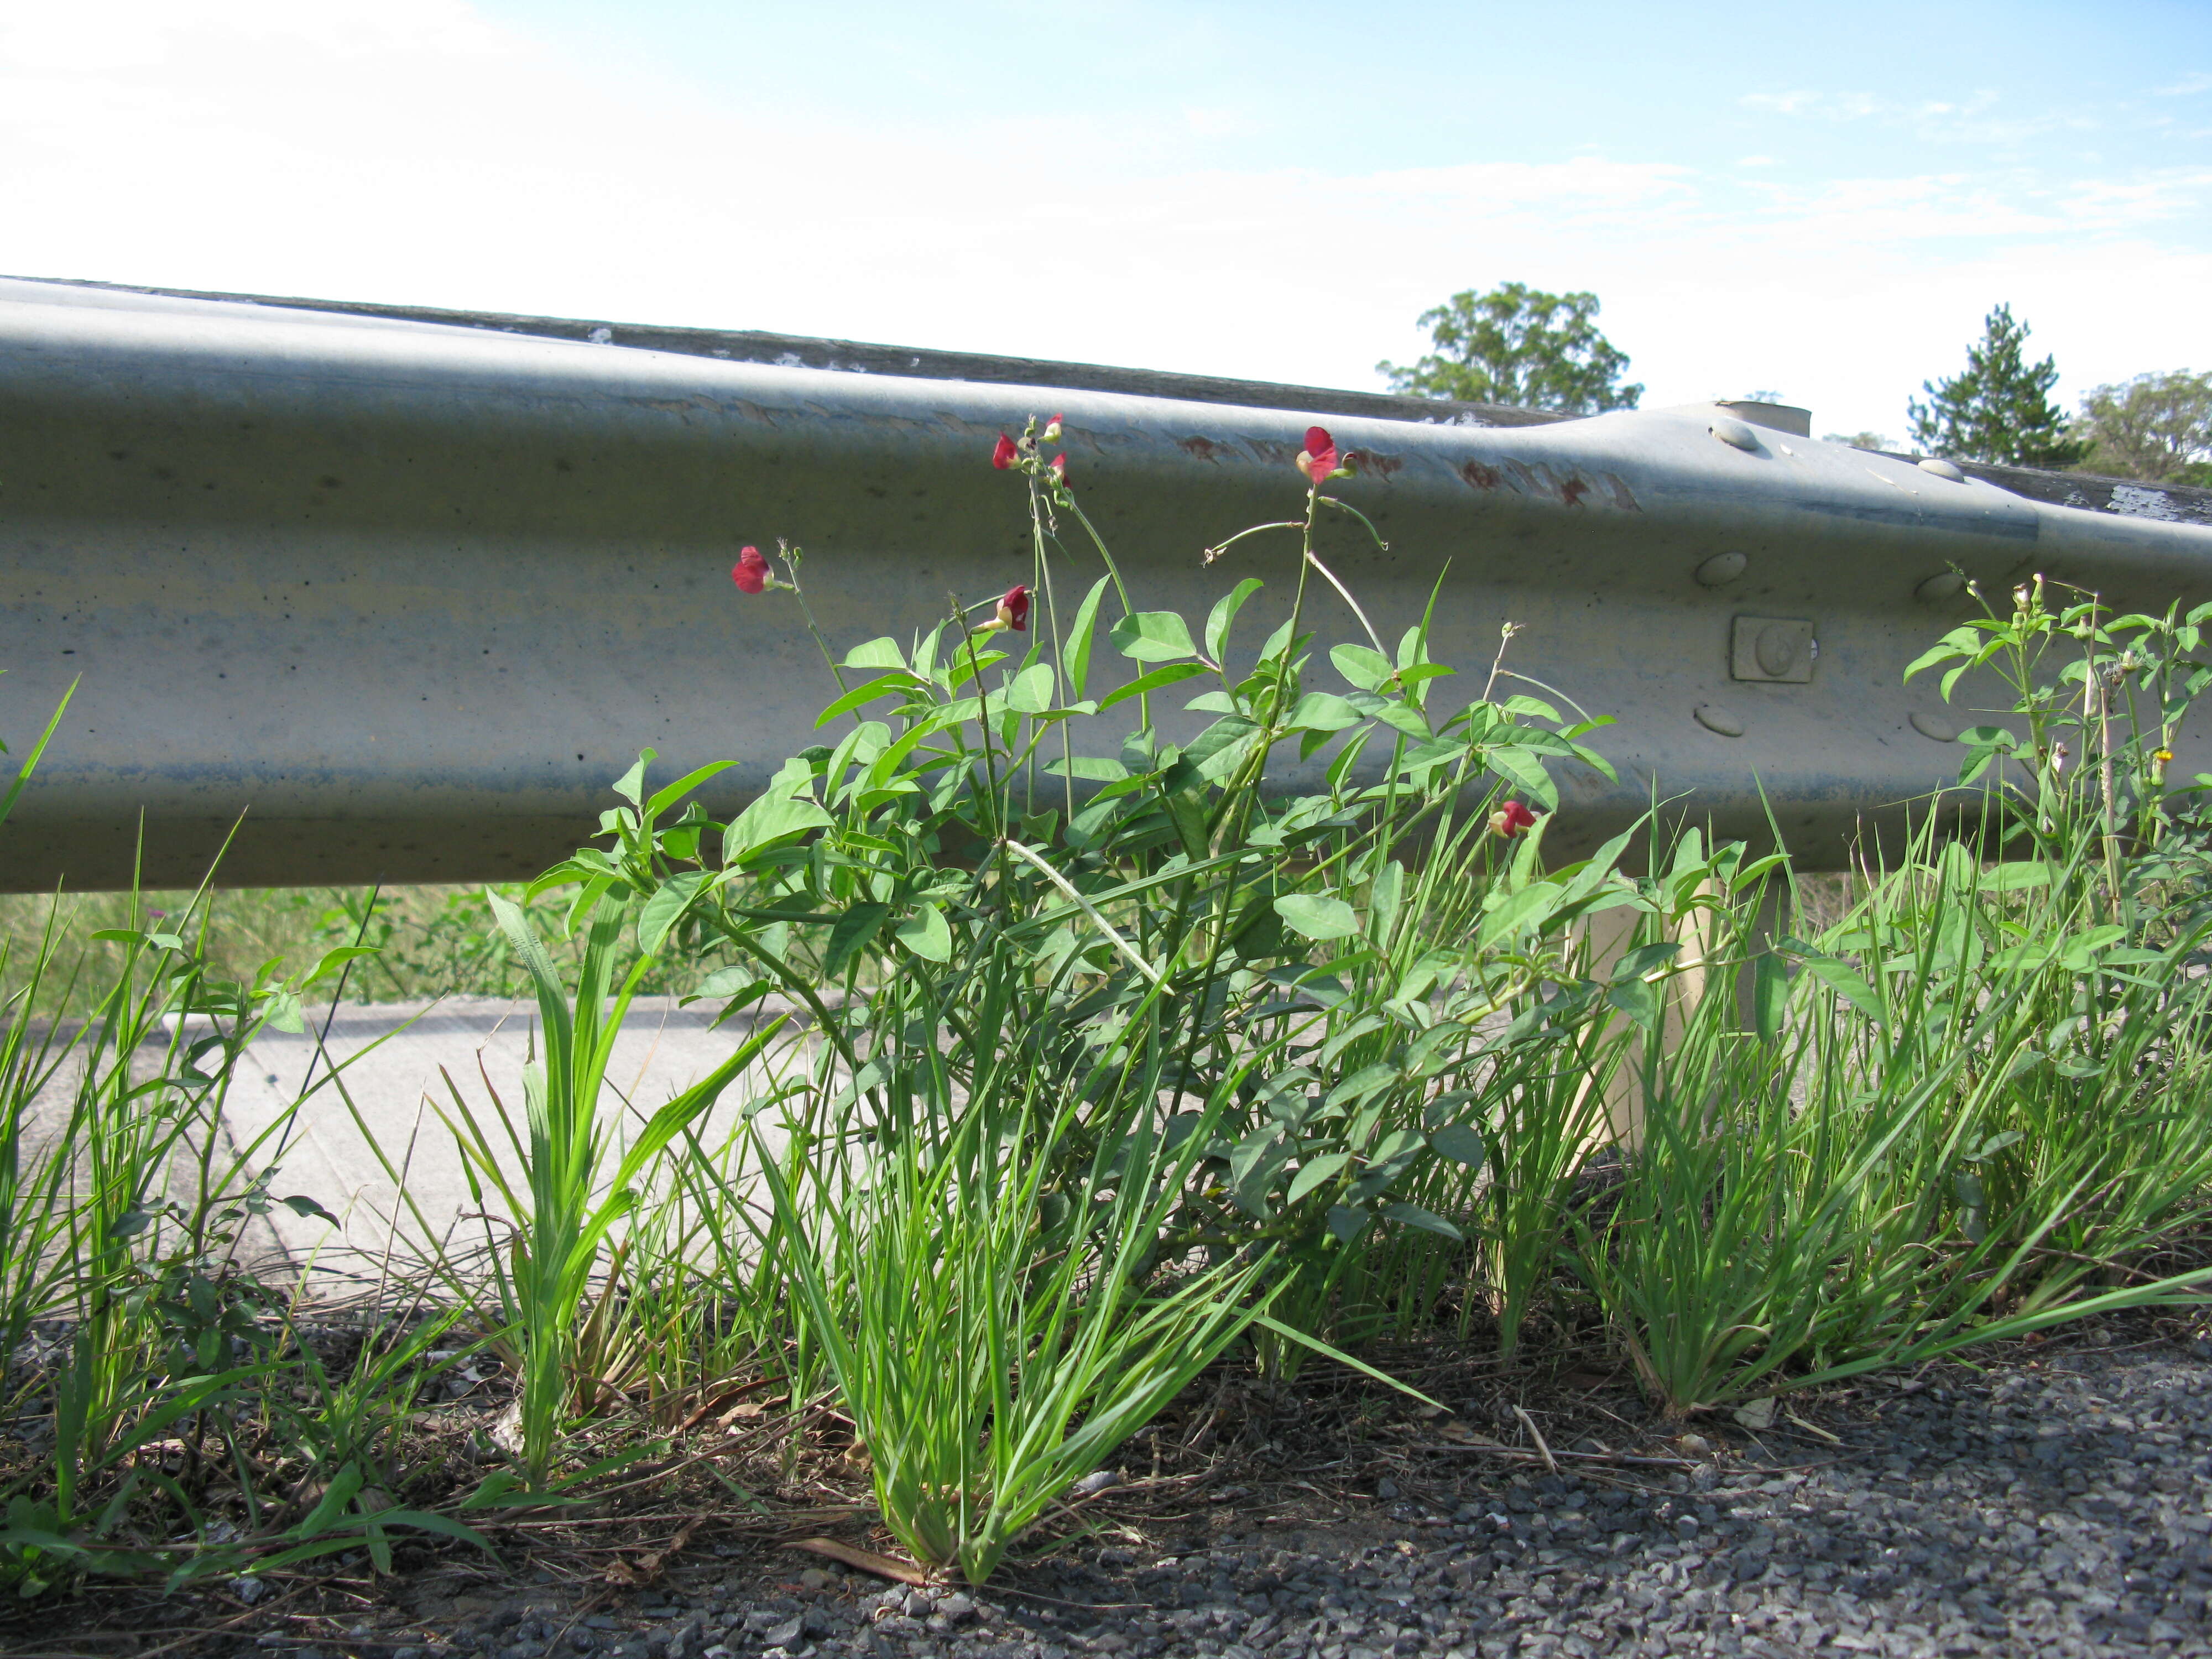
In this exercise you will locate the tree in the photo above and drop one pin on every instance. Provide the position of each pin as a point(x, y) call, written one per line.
point(1518, 345)
point(1999, 411)
point(2156, 427)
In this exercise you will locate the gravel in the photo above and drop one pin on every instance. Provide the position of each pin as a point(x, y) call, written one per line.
point(2059, 1503)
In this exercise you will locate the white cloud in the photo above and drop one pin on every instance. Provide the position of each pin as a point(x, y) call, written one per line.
point(2198, 81)
point(408, 151)
point(1207, 123)
point(1968, 120)
point(1780, 103)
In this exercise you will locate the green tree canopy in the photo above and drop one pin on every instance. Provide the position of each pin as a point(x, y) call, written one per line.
point(1518, 345)
point(2154, 427)
point(1999, 411)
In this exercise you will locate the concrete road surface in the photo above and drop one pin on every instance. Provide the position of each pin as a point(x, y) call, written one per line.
point(398, 1064)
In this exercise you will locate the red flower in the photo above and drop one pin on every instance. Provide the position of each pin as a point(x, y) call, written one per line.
point(1051, 433)
point(1003, 456)
point(1014, 609)
point(1059, 469)
point(1318, 458)
point(750, 572)
point(1510, 819)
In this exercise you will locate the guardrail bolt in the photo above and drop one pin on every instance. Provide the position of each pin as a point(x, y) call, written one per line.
point(1775, 649)
point(1946, 585)
point(1718, 719)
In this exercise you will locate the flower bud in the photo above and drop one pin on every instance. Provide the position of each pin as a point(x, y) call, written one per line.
point(1318, 458)
point(750, 572)
point(1511, 819)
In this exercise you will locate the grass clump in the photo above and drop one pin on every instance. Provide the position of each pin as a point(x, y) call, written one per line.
point(1110, 1057)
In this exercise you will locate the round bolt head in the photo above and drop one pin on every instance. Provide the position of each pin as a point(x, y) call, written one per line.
point(1718, 719)
point(1779, 648)
point(1943, 468)
point(1734, 434)
point(1946, 584)
point(1721, 570)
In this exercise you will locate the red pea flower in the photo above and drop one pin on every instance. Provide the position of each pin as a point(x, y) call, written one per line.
point(1003, 456)
point(1510, 819)
point(1051, 433)
point(1014, 609)
point(1059, 469)
point(750, 572)
point(1318, 458)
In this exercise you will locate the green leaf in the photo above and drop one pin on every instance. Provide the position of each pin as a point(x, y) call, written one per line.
point(663, 798)
point(883, 653)
point(768, 820)
point(1253, 1166)
point(854, 932)
point(1384, 894)
point(1644, 959)
point(666, 906)
point(1098, 769)
point(1532, 906)
point(1031, 693)
point(1151, 682)
point(301, 1206)
point(1770, 995)
point(1847, 982)
point(1153, 636)
point(726, 982)
point(1412, 1215)
point(1520, 766)
point(1367, 669)
point(337, 957)
point(1078, 639)
point(1317, 917)
point(1314, 1172)
point(1225, 613)
point(1934, 655)
point(1459, 1143)
point(882, 686)
point(1994, 737)
point(1993, 1145)
point(1322, 711)
point(926, 934)
point(1638, 999)
point(1367, 1081)
point(630, 786)
point(1404, 717)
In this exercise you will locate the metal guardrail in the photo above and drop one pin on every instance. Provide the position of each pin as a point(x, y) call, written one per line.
point(407, 589)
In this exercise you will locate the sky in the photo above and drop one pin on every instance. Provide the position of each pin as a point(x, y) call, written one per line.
point(1822, 205)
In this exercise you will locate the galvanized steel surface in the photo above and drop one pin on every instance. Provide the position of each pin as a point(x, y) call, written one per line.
point(408, 594)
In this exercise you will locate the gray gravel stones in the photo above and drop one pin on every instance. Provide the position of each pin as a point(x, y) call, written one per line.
point(2058, 1506)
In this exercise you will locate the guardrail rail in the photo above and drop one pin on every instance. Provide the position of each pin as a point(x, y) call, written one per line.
point(406, 589)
